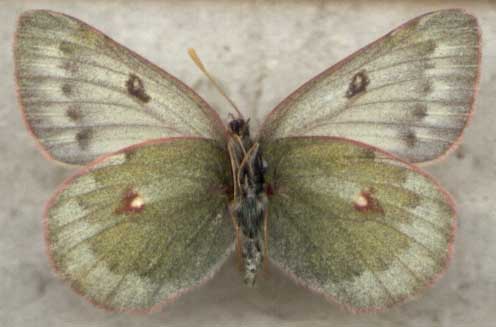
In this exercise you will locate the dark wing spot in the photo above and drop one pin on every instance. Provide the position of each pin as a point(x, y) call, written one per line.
point(430, 46)
point(70, 66)
point(136, 88)
point(67, 89)
point(131, 203)
point(358, 84)
point(129, 155)
point(368, 154)
point(410, 138)
point(414, 200)
point(420, 111)
point(429, 65)
point(427, 87)
point(83, 138)
point(74, 113)
point(66, 48)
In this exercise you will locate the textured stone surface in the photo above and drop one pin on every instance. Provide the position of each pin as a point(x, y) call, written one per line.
point(260, 52)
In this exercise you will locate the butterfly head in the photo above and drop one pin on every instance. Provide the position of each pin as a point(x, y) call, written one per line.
point(240, 127)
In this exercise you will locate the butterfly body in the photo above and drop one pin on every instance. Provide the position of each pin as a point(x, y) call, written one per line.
point(249, 203)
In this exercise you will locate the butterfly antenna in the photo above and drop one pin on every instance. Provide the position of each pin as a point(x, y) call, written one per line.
point(199, 64)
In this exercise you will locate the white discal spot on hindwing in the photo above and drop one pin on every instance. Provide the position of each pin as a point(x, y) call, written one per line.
point(361, 201)
point(137, 202)
point(366, 202)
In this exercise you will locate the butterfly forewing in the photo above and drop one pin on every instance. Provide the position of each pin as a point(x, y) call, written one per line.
point(85, 95)
point(354, 223)
point(143, 225)
point(409, 93)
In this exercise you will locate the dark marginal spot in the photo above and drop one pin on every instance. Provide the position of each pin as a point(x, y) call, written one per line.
point(430, 46)
point(410, 138)
point(66, 47)
point(136, 88)
point(367, 202)
point(70, 66)
point(427, 88)
point(414, 200)
point(83, 138)
point(67, 89)
point(368, 154)
point(420, 111)
point(35, 122)
point(429, 65)
point(74, 113)
point(358, 84)
point(129, 155)
point(131, 202)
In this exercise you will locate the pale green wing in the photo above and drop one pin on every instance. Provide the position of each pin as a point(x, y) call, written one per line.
point(410, 93)
point(143, 225)
point(354, 223)
point(85, 95)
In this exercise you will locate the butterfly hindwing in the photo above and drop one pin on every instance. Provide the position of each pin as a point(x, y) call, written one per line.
point(410, 93)
point(85, 95)
point(141, 226)
point(355, 223)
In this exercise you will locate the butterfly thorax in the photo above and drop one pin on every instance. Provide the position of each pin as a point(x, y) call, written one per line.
point(249, 199)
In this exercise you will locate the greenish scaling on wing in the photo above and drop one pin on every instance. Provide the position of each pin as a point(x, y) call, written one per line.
point(138, 227)
point(355, 223)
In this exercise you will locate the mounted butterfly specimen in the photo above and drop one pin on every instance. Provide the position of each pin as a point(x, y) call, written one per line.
point(327, 189)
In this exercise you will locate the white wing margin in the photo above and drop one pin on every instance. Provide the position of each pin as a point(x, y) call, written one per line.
point(84, 95)
point(410, 93)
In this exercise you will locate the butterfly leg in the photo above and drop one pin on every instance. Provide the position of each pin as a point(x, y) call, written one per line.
point(234, 168)
point(238, 238)
point(266, 240)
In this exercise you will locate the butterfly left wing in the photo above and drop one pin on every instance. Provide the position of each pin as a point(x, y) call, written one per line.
point(410, 93)
point(355, 223)
point(141, 226)
point(84, 95)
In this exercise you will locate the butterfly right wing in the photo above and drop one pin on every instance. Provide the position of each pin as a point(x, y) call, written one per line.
point(410, 93)
point(355, 223)
point(84, 95)
point(143, 225)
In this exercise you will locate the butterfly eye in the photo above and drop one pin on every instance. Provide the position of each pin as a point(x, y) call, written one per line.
point(237, 126)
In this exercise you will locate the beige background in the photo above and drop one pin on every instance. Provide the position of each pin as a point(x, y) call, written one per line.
point(261, 51)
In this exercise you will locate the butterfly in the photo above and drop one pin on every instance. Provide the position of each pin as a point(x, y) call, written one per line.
point(328, 188)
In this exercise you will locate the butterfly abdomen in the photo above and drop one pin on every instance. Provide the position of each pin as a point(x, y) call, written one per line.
point(250, 213)
point(249, 201)
point(252, 255)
